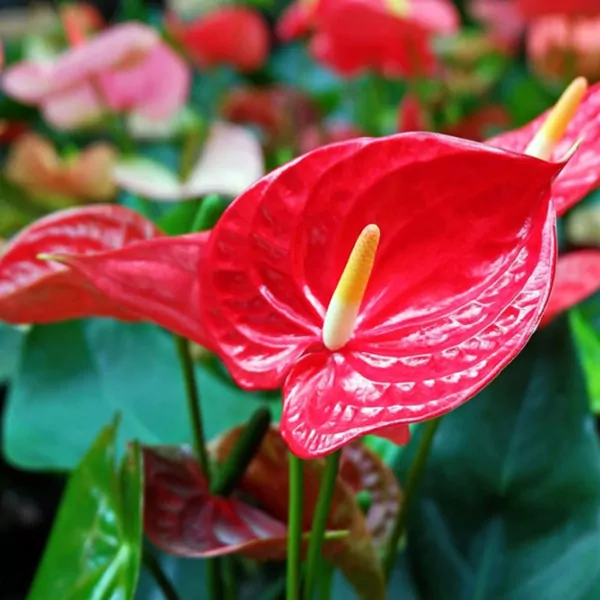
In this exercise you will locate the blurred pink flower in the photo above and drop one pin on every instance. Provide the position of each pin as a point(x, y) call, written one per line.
point(561, 47)
point(502, 19)
point(123, 69)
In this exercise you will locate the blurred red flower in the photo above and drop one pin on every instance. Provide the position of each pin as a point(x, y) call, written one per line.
point(231, 35)
point(279, 112)
point(394, 38)
point(532, 9)
point(318, 135)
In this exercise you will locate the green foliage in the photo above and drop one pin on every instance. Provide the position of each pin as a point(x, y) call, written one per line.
point(10, 347)
point(72, 376)
point(95, 546)
point(585, 320)
point(509, 505)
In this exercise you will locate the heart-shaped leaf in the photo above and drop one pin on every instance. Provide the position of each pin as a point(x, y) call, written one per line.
point(510, 499)
point(72, 376)
point(95, 546)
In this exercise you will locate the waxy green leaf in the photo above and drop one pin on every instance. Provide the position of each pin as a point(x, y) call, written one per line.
point(74, 375)
point(95, 546)
point(509, 504)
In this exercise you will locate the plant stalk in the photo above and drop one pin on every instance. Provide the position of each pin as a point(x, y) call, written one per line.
point(412, 483)
point(164, 583)
point(294, 547)
point(319, 523)
point(193, 400)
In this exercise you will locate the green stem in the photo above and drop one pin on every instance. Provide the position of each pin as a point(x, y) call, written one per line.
point(166, 587)
point(214, 579)
point(193, 400)
point(243, 452)
point(294, 549)
point(412, 483)
point(319, 523)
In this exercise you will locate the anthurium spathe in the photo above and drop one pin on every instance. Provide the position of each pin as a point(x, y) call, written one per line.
point(35, 165)
point(40, 291)
point(391, 37)
point(577, 278)
point(230, 160)
point(125, 69)
point(438, 319)
point(442, 312)
point(574, 121)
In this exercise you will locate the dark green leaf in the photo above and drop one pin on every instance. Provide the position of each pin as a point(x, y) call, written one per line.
point(74, 375)
point(95, 545)
point(510, 500)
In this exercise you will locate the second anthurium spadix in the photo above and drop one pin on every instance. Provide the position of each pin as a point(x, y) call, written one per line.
point(375, 280)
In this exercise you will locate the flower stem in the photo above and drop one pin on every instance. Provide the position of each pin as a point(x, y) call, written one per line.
point(166, 587)
point(242, 454)
point(193, 400)
point(319, 523)
point(294, 549)
point(412, 483)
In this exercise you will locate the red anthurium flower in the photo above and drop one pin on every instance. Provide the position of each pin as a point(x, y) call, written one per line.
point(577, 278)
point(502, 19)
point(123, 69)
point(358, 351)
point(181, 517)
point(388, 36)
point(559, 45)
point(575, 120)
point(320, 278)
point(40, 291)
point(532, 9)
point(232, 35)
point(231, 159)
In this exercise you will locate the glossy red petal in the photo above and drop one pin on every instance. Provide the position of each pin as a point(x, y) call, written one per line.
point(157, 280)
point(582, 174)
point(180, 516)
point(276, 254)
point(36, 291)
point(577, 278)
point(331, 399)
